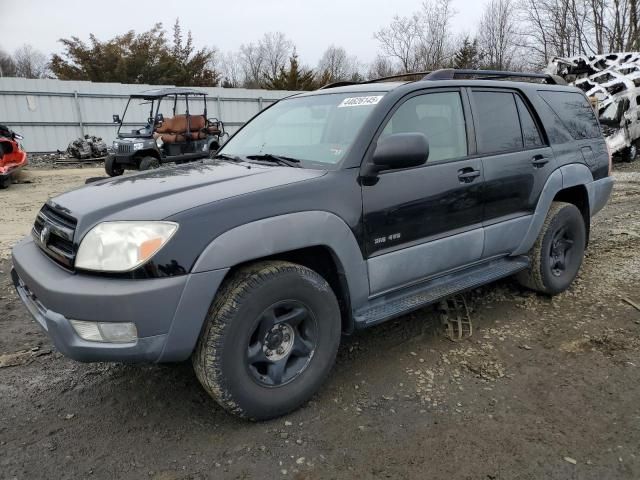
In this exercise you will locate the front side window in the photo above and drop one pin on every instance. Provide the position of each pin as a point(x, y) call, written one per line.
point(440, 117)
point(497, 122)
point(313, 129)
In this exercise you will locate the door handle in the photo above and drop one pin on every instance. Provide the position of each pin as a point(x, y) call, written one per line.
point(539, 161)
point(467, 175)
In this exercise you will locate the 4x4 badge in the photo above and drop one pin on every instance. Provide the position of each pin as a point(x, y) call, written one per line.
point(44, 235)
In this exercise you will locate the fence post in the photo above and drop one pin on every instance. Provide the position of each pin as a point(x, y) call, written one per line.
point(79, 112)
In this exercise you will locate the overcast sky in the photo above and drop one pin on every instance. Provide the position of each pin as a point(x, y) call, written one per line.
point(226, 24)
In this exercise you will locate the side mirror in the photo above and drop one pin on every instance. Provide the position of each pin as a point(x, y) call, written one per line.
point(116, 119)
point(400, 150)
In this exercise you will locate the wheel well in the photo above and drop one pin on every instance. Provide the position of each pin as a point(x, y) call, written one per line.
point(579, 197)
point(214, 145)
point(321, 260)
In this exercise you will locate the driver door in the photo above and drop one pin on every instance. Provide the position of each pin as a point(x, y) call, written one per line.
point(424, 221)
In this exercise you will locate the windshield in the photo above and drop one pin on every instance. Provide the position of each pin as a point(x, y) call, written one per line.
point(137, 118)
point(315, 129)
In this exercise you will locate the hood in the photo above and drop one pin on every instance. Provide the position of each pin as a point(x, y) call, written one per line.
point(158, 194)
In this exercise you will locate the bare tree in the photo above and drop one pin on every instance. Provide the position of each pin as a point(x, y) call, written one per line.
point(30, 63)
point(252, 63)
point(380, 67)
point(498, 35)
point(422, 41)
point(336, 65)
point(7, 65)
point(230, 67)
point(276, 50)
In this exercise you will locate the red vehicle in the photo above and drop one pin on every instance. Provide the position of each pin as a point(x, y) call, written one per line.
point(12, 156)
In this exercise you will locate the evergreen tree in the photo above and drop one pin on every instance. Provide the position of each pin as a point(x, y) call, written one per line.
point(468, 55)
point(293, 78)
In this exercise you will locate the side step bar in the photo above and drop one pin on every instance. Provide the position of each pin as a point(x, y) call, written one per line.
point(417, 296)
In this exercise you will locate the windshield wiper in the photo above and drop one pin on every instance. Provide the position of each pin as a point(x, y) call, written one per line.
point(225, 156)
point(279, 159)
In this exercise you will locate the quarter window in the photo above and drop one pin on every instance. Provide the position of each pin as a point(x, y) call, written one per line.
point(497, 123)
point(440, 117)
point(574, 111)
point(530, 133)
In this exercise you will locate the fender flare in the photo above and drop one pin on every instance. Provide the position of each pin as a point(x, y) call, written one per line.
point(293, 231)
point(564, 177)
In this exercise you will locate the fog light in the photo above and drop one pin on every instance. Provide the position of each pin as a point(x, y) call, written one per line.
point(113, 332)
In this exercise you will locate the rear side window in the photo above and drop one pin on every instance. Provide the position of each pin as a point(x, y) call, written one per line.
point(497, 123)
point(574, 111)
point(530, 132)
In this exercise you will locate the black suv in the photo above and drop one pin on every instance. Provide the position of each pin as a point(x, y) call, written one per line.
point(330, 211)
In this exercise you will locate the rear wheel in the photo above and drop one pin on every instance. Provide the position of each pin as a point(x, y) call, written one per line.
point(271, 338)
point(112, 168)
point(557, 255)
point(5, 182)
point(147, 163)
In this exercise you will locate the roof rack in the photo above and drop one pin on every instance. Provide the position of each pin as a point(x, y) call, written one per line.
point(381, 79)
point(451, 73)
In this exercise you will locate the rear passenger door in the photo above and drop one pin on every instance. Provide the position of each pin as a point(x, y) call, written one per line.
point(516, 161)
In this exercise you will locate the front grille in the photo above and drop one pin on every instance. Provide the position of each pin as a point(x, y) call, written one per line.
point(53, 232)
point(125, 148)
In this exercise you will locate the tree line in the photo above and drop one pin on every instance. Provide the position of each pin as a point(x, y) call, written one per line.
point(509, 35)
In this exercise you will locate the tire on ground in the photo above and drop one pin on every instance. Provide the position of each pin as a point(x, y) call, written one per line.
point(112, 169)
point(541, 274)
point(147, 163)
point(220, 359)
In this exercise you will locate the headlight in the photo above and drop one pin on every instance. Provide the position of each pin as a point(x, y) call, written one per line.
point(122, 246)
point(137, 146)
point(115, 145)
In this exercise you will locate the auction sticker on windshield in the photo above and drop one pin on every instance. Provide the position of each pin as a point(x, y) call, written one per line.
point(360, 101)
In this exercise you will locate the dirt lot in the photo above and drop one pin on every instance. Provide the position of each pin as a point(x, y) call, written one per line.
point(544, 389)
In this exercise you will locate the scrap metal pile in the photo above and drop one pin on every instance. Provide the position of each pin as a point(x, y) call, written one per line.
point(612, 82)
point(87, 147)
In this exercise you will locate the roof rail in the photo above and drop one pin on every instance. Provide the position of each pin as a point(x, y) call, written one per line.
point(381, 79)
point(451, 73)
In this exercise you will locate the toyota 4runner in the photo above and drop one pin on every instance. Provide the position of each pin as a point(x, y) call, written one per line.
point(330, 211)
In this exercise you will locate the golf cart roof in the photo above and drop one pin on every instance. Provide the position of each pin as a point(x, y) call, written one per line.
point(163, 92)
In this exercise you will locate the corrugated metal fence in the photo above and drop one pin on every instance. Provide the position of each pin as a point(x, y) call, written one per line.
point(51, 113)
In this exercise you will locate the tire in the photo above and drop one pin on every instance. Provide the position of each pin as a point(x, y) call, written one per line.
point(5, 182)
point(231, 359)
point(148, 163)
point(557, 255)
point(112, 168)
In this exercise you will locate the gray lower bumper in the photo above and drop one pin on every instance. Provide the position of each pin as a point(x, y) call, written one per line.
point(168, 312)
point(599, 193)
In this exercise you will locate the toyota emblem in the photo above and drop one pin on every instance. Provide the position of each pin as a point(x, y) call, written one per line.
point(44, 235)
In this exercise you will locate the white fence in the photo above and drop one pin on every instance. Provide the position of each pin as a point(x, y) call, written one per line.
point(51, 113)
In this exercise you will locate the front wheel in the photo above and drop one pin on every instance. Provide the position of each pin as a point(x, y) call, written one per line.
point(112, 168)
point(270, 340)
point(557, 255)
point(147, 163)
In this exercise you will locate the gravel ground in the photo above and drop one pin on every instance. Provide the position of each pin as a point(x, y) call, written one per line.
point(545, 388)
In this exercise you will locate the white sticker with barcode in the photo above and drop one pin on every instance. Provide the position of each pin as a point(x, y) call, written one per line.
point(360, 101)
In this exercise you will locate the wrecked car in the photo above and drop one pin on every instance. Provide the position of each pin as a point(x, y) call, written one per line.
point(613, 82)
point(330, 211)
point(12, 156)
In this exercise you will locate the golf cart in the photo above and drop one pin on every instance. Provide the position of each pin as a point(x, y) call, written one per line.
point(156, 138)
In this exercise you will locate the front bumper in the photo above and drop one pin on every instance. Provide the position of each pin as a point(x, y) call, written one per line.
point(168, 312)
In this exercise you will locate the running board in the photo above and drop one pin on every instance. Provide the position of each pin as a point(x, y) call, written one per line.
point(412, 298)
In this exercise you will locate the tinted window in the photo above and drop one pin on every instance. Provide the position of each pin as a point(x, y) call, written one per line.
point(440, 117)
point(530, 133)
point(497, 124)
point(575, 112)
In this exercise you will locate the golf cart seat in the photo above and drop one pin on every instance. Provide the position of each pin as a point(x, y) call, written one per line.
point(178, 124)
point(179, 137)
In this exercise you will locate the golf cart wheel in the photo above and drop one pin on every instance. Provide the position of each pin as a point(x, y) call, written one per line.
point(112, 168)
point(557, 255)
point(147, 163)
point(5, 182)
point(270, 339)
